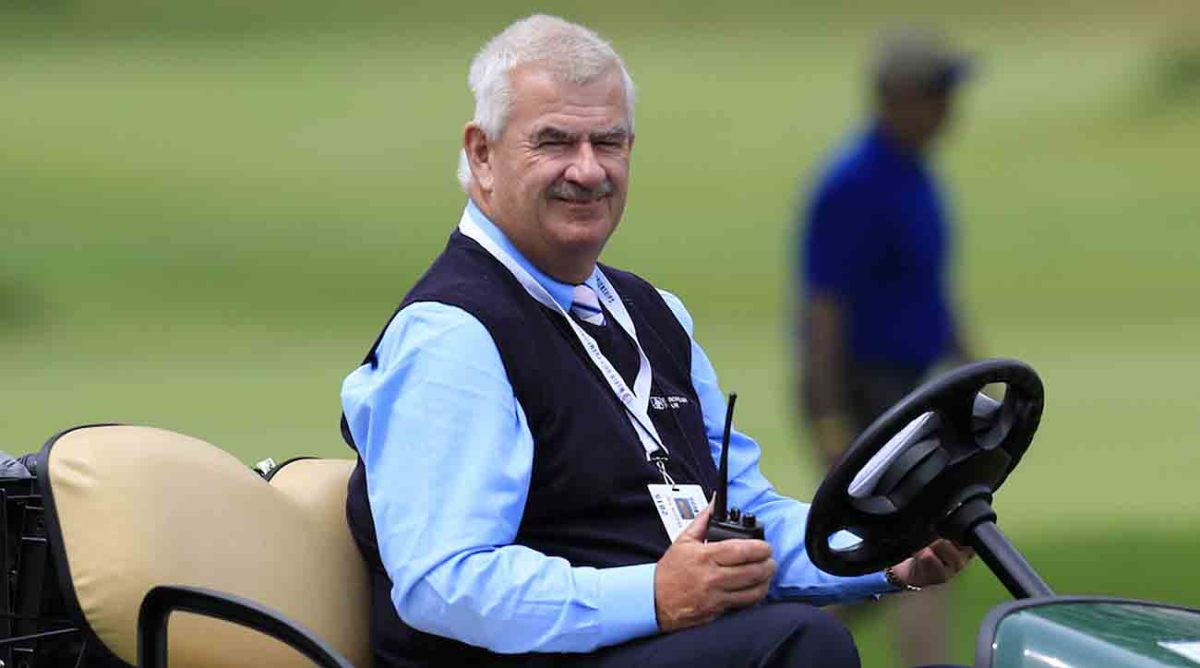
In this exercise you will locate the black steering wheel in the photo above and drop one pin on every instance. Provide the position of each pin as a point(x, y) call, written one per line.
point(914, 466)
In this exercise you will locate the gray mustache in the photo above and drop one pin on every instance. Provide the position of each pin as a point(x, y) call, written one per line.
point(576, 193)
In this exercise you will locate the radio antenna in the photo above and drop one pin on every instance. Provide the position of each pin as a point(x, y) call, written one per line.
point(721, 500)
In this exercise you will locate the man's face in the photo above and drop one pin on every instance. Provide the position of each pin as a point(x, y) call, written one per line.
point(560, 169)
point(918, 115)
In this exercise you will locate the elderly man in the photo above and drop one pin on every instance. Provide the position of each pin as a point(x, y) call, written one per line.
point(874, 293)
point(524, 403)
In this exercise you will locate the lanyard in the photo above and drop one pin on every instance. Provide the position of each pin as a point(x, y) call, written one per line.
point(635, 401)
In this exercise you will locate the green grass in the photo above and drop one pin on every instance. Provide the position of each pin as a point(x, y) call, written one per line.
point(209, 211)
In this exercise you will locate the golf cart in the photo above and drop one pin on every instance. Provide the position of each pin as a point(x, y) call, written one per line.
point(135, 524)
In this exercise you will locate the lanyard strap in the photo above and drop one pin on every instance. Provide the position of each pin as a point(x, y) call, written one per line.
point(637, 400)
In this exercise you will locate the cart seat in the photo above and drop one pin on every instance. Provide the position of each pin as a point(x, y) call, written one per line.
point(132, 507)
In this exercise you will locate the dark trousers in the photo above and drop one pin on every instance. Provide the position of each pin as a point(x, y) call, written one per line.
point(871, 389)
point(876, 387)
point(773, 635)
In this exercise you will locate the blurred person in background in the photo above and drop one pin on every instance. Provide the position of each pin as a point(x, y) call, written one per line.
point(874, 295)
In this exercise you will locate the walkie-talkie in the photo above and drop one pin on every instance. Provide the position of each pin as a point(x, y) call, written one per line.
point(725, 524)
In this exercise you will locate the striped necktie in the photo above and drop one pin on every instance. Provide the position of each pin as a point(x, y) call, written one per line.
point(586, 306)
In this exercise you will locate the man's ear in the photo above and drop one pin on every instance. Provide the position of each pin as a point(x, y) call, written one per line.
point(478, 150)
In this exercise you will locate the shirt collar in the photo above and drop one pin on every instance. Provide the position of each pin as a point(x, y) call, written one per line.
point(883, 145)
point(563, 293)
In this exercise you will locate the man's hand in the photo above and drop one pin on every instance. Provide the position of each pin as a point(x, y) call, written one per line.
point(933, 565)
point(695, 582)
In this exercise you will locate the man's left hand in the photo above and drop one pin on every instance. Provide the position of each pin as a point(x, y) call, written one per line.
point(933, 565)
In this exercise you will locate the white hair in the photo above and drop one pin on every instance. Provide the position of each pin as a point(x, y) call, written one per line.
point(570, 51)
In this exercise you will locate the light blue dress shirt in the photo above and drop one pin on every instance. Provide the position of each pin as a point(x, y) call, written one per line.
point(448, 455)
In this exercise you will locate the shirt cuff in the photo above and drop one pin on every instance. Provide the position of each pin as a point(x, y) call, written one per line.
point(844, 590)
point(876, 585)
point(627, 603)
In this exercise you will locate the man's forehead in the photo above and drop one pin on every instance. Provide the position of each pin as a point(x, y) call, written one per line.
point(541, 99)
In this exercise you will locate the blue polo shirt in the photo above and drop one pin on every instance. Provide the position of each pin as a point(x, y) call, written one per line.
point(876, 237)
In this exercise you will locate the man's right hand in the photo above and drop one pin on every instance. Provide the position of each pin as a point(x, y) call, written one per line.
point(696, 582)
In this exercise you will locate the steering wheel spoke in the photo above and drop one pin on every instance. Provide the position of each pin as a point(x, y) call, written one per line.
point(956, 411)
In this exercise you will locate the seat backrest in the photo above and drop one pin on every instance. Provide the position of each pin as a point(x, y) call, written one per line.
point(129, 508)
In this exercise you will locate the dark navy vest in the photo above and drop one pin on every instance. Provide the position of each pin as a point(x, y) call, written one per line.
point(587, 498)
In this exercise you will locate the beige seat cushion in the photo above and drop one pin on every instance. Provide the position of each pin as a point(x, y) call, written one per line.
point(138, 507)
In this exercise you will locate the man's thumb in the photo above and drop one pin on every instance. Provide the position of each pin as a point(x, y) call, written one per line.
point(698, 529)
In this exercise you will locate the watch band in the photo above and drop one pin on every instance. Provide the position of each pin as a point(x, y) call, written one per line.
point(890, 576)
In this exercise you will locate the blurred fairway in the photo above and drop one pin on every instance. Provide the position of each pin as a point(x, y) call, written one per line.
point(207, 212)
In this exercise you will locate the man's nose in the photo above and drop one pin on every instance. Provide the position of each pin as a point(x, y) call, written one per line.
point(585, 169)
